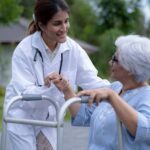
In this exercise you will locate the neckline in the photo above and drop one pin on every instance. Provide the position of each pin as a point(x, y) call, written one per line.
point(122, 92)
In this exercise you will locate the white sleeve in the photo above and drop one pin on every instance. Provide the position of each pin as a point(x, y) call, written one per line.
point(87, 74)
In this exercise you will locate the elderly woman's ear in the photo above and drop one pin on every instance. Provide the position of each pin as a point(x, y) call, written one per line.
point(130, 74)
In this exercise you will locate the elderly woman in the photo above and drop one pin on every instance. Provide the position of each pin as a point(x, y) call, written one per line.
point(128, 98)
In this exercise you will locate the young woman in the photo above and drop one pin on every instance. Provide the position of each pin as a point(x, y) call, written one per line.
point(45, 51)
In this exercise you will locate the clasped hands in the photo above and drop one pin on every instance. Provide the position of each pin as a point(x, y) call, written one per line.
point(95, 95)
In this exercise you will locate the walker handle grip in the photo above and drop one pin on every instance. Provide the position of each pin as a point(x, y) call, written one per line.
point(84, 99)
point(31, 97)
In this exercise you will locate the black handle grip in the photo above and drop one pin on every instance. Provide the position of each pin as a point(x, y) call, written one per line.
point(31, 97)
point(84, 99)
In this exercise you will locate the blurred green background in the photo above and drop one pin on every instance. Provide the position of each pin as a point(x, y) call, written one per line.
point(98, 22)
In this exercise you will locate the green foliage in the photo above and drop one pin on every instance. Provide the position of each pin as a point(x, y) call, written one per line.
point(115, 18)
point(83, 20)
point(67, 116)
point(1, 112)
point(95, 21)
point(9, 11)
point(28, 8)
point(2, 92)
point(120, 14)
point(147, 32)
point(107, 48)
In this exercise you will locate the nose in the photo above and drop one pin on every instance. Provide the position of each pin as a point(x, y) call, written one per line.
point(64, 27)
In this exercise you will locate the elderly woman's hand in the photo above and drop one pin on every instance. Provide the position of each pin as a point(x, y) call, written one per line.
point(96, 95)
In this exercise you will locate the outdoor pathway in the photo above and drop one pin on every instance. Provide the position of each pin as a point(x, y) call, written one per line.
point(74, 138)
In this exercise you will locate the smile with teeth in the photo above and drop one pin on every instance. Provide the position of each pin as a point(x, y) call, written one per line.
point(61, 35)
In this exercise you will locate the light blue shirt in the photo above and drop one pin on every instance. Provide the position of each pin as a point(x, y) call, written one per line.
point(102, 121)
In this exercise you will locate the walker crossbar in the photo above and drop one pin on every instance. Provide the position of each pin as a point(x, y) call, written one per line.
point(31, 97)
point(56, 124)
point(31, 122)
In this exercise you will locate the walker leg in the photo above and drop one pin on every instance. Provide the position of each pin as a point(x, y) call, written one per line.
point(59, 137)
point(4, 136)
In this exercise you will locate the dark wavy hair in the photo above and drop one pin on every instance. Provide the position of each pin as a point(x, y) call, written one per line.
point(44, 11)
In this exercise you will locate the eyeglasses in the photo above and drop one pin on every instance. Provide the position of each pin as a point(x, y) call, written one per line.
point(114, 59)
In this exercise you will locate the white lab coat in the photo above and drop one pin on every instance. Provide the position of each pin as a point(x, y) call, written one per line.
point(27, 74)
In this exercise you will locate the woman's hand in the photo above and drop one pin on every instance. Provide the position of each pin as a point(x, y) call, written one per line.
point(51, 77)
point(96, 95)
point(61, 83)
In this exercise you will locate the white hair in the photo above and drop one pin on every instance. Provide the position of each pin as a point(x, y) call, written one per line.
point(134, 55)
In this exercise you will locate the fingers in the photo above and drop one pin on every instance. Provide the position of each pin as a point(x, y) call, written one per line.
point(61, 83)
point(47, 81)
point(94, 96)
point(91, 99)
point(52, 77)
point(90, 93)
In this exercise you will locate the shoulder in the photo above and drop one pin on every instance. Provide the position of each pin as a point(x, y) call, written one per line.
point(116, 86)
point(71, 41)
point(144, 92)
point(24, 47)
point(139, 97)
point(72, 44)
point(25, 42)
point(73, 49)
point(30, 41)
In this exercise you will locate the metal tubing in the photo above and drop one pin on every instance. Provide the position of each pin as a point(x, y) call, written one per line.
point(31, 122)
point(62, 112)
point(59, 116)
point(3, 136)
point(7, 119)
point(120, 140)
point(61, 120)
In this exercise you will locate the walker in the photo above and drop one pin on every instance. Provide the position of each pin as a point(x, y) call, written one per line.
point(59, 123)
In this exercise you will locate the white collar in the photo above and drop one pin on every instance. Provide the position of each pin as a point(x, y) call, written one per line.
point(37, 43)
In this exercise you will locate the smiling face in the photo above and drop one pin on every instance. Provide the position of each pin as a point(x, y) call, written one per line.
point(55, 31)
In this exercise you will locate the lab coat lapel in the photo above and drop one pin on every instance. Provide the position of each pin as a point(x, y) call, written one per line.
point(62, 49)
point(39, 71)
point(38, 64)
point(44, 68)
point(54, 66)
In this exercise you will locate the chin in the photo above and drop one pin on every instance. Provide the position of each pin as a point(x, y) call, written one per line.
point(112, 76)
point(62, 40)
point(113, 79)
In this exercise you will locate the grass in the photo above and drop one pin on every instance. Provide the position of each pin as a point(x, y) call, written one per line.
point(67, 116)
point(2, 92)
point(1, 110)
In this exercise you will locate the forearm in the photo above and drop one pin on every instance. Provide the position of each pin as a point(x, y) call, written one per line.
point(63, 85)
point(125, 112)
point(74, 108)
